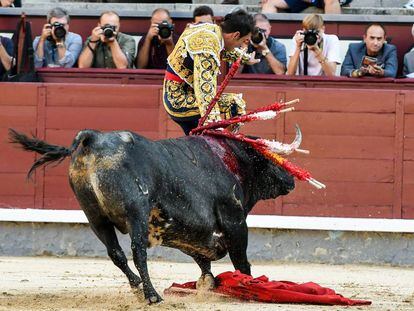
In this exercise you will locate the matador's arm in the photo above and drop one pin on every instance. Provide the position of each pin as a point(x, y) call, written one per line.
point(205, 84)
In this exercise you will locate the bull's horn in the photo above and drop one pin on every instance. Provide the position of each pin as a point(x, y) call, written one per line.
point(284, 149)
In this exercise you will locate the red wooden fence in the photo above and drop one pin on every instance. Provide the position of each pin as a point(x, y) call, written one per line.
point(361, 136)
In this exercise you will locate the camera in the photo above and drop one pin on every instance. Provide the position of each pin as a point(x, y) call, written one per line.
point(58, 30)
point(258, 35)
point(108, 30)
point(311, 36)
point(165, 29)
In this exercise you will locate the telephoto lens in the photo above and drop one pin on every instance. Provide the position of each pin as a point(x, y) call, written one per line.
point(58, 30)
point(257, 35)
point(108, 30)
point(311, 36)
point(165, 29)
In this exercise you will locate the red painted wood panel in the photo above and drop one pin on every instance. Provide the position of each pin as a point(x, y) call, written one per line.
point(350, 131)
point(102, 118)
point(108, 96)
point(337, 194)
point(16, 201)
point(18, 94)
point(339, 123)
point(14, 184)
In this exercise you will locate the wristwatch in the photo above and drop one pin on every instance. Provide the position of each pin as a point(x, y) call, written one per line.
point(265, 52)
point(60, 45)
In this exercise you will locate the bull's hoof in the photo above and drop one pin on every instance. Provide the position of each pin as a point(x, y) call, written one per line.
point(206, 282)
point(135, 282)
point(153, 299)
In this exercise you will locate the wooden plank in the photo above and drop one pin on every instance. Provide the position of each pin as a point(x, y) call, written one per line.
point(408, 173)
point(334, 123)
point(61, 203)
point(18, 94)
point(108, 96)
point(349, 170)
point(356, 100)
point(346, 147)
point(408, 195)
point(13, 184)
point(398, 151)
point(17, 116)
point(13, 159)
point(41, 128)
point(57, 186)
point(408, 149)
point(409, 126)
point(16, 201)
point(357, 194)
point(315, 210)
point(102, 118)
point(268, 207)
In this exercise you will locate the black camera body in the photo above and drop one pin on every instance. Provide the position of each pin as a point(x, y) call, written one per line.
point(108, 30)
point(311, 36)
point(58, 30)
point(258, 35)
point(165, 29)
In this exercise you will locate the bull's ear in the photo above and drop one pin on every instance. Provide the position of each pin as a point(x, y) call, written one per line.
point(126, 137)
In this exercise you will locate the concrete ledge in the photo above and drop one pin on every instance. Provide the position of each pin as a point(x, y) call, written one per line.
point(333, 247)
point(253, 221)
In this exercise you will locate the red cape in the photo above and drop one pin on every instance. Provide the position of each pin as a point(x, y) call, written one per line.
point(245, 287)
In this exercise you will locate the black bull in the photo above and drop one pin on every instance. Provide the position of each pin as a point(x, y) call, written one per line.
point(191, 193)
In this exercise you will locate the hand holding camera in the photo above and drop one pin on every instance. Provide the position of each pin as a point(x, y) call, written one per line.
point(258, 39)
point(108, 33)
point(54, 32)
point(163, 31)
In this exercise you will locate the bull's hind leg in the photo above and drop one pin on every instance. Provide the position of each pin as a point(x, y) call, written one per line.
point(139, 241)
point(206, 281)
point(106, 233)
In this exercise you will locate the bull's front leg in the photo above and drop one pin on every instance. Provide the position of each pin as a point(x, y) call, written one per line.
point(139, 242)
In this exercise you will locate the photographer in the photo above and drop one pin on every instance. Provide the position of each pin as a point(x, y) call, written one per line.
point(272, 54)
point(371, 57)
point(56, 46)
point(156, 45)
point(6, 50)
point(316, 53)
point(107, 47)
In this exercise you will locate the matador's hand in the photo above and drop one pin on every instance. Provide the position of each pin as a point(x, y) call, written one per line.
point(252, 59)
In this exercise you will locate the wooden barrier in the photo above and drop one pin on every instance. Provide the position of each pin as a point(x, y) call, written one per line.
point(360, 133)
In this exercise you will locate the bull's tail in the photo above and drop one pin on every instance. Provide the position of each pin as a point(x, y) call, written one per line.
point(50, 153)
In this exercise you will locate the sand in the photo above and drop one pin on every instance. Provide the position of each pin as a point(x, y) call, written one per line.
point(49, 283)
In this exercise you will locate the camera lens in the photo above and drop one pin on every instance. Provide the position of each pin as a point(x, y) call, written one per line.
point(310, 37)
point(60, 32)
point(108, 31)
point(257, 36)
point(165, 30)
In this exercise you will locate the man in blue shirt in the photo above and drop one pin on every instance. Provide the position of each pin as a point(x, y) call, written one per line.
point(56, 46)
point(371, 57)
point(6, 52)
point(272, 54)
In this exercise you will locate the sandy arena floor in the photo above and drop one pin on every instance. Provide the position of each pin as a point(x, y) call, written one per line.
point(45, 283)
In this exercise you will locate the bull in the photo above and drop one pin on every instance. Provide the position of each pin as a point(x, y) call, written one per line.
point(191, 193)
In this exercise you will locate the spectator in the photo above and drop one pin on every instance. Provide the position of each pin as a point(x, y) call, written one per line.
point(6, 3)
point(56, 46)
point(409, 5)
point(409, 59)
point(373, 56)
point(322, 50)
point(107, 47)
point(296, 6)
point(153, 49)
point(203, 14)
point(6, 50)
point(272, 54)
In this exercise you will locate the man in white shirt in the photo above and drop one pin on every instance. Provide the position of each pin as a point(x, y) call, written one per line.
point(322, 50)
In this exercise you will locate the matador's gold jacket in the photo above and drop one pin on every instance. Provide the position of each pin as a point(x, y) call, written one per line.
point(191, 77)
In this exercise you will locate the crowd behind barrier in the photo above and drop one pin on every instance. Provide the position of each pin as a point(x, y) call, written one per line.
point(118, 50)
